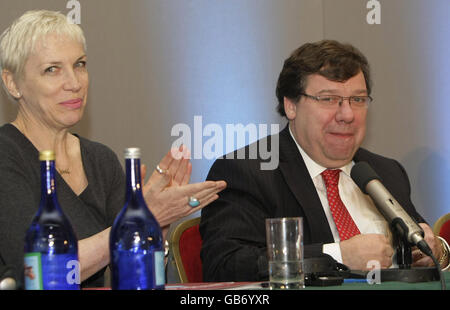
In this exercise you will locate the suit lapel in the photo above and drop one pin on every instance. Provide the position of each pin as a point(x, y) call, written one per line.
point(297, 177)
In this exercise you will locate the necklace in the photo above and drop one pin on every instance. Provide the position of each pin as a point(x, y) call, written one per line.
point(64, 171)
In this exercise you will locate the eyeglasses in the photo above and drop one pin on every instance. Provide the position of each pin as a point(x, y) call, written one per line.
point(333, 101)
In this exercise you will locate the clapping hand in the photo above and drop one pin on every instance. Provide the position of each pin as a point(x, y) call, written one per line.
point(167, 191)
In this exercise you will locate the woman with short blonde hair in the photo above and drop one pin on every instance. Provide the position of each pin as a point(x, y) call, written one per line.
point(19, 40)
point(44, 68)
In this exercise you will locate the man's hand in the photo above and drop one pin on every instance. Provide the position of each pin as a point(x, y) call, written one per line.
point(420, 259)
point(360, 249)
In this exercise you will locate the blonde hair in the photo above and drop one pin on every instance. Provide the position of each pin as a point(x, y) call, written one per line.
point(17, 42)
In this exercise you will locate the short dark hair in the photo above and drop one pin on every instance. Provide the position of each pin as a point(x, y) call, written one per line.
point(331, 59)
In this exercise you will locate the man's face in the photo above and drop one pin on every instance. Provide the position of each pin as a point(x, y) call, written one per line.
point(330, 136)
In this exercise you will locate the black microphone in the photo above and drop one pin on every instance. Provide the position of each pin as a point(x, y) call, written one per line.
point(370, 183)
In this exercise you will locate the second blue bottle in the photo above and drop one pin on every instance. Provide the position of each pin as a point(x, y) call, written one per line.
point(136, 245)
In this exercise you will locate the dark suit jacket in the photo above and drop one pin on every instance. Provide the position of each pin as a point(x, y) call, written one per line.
point(233, 227)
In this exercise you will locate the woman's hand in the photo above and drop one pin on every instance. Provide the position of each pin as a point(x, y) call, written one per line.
point(167, 193)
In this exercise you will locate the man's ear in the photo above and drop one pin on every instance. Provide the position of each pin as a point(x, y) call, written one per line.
point(11, 86)
point(290, 108)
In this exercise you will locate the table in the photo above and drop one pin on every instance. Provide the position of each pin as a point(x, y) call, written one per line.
point(359, 284)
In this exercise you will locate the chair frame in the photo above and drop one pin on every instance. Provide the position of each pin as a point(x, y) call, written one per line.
point(440, 221)
point(174, 245)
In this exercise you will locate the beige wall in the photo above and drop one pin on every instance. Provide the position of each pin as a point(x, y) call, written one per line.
point(157, 63)
point(154, 64)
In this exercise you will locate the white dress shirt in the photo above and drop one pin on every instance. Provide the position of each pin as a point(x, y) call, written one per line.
point(360, 206)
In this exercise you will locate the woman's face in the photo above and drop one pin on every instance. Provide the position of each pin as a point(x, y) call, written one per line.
point(54, 84)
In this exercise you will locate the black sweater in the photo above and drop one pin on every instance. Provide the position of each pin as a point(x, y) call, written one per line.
point(89, 213)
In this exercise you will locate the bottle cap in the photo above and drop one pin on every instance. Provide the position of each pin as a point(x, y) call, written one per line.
point(132, 152)
point(46, 155)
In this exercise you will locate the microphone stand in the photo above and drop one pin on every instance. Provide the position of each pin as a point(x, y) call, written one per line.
point(403, 252)
point(404, 272)
point(406, 232)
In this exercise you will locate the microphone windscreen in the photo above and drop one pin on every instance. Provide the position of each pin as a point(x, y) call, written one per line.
point(362, 174)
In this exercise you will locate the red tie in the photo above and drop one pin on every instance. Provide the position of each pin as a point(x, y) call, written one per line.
point(343, 220)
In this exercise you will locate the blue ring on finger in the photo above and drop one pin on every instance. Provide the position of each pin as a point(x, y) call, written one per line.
point(193, 202)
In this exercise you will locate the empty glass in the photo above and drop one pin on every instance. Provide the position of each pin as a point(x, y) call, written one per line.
point(285, 252)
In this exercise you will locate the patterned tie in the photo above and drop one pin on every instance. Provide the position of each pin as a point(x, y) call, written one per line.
point(343, 220)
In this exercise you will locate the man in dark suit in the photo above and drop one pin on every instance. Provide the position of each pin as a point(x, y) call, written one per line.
point(324, 92)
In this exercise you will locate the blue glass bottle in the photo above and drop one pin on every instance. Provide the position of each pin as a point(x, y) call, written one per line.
point(136, 246)
point(51, 246)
